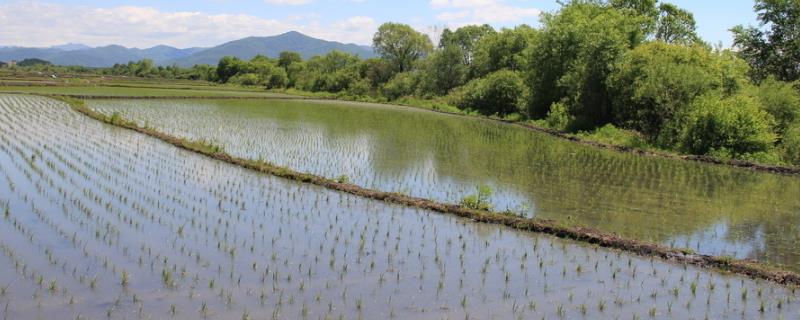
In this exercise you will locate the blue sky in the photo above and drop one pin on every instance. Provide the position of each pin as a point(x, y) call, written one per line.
point(209, 22)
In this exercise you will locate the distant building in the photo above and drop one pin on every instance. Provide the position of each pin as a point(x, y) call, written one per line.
point(13, 63)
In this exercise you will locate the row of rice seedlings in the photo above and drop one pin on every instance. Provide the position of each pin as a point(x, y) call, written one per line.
point(123, 226)
point(706, 209)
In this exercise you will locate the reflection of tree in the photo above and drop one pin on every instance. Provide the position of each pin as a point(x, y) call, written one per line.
point(645, 198)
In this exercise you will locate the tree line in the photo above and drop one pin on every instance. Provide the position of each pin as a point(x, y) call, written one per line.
point(630, 67)
point(636, 65)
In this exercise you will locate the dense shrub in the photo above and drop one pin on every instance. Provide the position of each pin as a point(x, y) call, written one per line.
point(656, 81)
point(245, 79)
point(559, 117)
point(791, 144)
point(402, 84)
point(731, 127)
point(781, 100)
point(276, 79)
point(500, 93)
point(574, 54)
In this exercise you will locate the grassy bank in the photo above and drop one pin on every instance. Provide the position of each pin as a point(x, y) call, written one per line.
point(745, 267)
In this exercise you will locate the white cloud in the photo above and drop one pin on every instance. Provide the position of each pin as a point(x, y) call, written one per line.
point(34, 23)
point(463, 12)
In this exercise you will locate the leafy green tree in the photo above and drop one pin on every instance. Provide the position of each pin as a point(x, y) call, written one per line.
point(500, 93)
point(465, 38)
point(286, 58)
point(676, 25)
point(774, 48)
point(502, 50)
point(202, 72)
point(333, 72)
point(294, 73)
point(646, 11)
point(401, 45)
point(574, 55)
point(229, 67)
point(734, 126)
point(376, 71)
point(402, 84)
point(781, 100)
point(791, 144)
point(445, 70)
point(654, 82)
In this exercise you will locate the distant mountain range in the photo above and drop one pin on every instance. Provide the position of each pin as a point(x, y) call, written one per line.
point(81, 55)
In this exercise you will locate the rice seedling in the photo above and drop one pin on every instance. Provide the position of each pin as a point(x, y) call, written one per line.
point(150, 231)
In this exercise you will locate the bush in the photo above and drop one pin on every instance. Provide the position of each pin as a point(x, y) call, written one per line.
point(791, 144)
point(781, 100)
point(401, 85)
point(246, 79)
point(609, 134)
point(559, 117)
point(656, 81)
point(277, 79)
point(731, 127)
point(499, 93)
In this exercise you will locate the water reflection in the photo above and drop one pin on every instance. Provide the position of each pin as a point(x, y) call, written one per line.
point(712, 209)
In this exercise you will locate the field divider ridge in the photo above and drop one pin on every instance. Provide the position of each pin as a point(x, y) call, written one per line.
point(749, 268)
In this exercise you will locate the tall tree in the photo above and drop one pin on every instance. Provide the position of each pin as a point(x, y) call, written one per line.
point(286, 58)
point(574, 54)
point(675, 25)
point(774, 48)
point(401, 45)
point(466, 38)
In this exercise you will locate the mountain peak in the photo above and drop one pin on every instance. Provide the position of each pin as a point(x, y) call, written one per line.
point(272, 46)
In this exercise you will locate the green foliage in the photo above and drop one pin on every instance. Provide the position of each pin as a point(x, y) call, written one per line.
point(245, 79)
point(676, 25)
point(574, 54)
point(229, 67)
point(480, 200)
point(559, 117)
point(33, 62)
point(333, 72)
point(403, 84)
point(287, 58)
point(499, 93)
point(611, 135)
point(445, 70)
point(781, 100)
point(376, 71)
point(656, 81)
point(466, 40)
point(791, 144)
point(730, 127)
point(401, 45)
point(502, 50)
point(774, 50)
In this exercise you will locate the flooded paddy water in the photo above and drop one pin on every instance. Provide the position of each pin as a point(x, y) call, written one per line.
point(710, 209)
point(100, 222)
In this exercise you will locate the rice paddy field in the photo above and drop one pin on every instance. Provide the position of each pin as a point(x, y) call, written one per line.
point(104, 223)
point(140, 90)
point(710, 209)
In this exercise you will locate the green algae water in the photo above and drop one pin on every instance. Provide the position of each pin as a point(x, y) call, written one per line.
point(710, 209)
